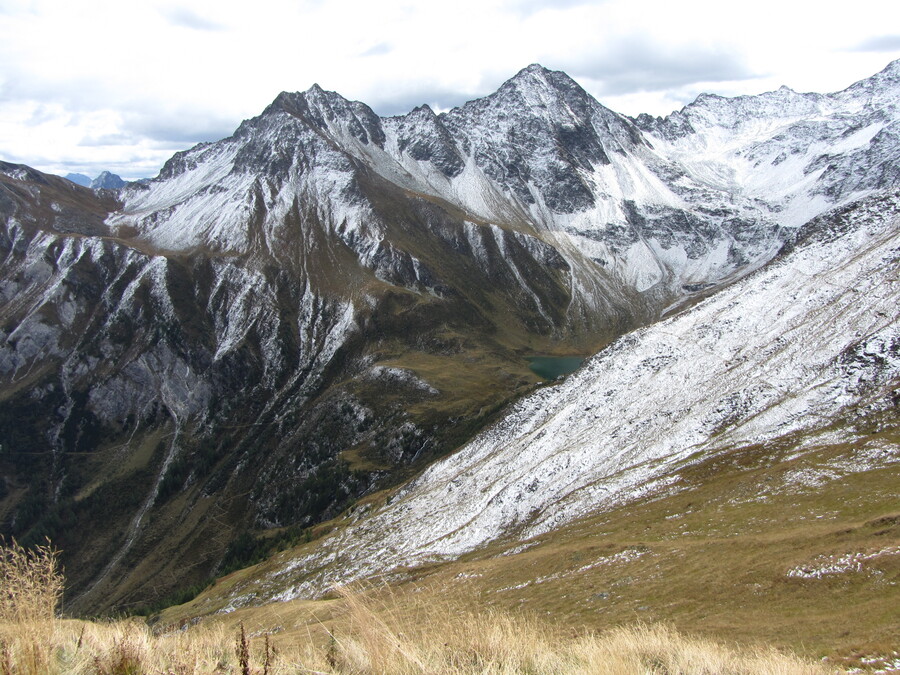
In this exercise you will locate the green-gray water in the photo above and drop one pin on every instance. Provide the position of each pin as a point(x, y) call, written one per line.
point(551, 367)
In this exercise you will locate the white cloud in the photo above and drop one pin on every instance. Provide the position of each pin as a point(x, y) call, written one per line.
point(187, 18)
point(97, 84)
point(879, 43)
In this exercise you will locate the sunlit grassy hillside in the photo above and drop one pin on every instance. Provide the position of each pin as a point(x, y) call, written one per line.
point(794, 544)
point(355, 634)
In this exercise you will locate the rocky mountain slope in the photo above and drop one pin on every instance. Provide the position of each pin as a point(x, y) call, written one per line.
point(808, 350)
point(799, 153)
point(289, 317)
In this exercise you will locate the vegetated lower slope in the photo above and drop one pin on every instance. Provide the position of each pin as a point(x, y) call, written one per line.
point(761, 545)
point(285, 319)
point(358, 635)
point(731, 463)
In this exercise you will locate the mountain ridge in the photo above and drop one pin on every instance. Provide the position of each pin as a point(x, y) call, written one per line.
point(325, 301)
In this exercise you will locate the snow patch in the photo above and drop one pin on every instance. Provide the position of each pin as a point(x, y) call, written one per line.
point(824, 566)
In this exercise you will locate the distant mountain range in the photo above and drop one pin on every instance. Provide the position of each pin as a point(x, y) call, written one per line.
point(105, 181)
point(79, 179)
point(327, 301)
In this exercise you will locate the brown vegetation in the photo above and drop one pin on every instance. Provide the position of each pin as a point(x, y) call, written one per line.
point(365, 637)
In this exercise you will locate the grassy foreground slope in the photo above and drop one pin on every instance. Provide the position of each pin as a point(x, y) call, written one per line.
point(359, 636)
point(794, 544)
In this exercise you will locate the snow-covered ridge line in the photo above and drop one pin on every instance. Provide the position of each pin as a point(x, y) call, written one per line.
point(660, 207)
point(785, 350)
point(799, 153)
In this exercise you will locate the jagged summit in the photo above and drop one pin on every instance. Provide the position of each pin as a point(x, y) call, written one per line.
point(537, 89)
point(890, 72)
point(534, 68)
point(328, 110)
point(880, 91)
point(799, 151)
point(532, 76)
point(423, 109)
point(531, 80)
point(289, 101)
point(537, 75)
point(540, 76)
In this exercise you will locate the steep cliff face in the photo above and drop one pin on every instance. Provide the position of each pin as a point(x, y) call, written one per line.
point(539, 157)
point(287, 317)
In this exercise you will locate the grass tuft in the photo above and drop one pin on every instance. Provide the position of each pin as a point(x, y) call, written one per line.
point(32, 582)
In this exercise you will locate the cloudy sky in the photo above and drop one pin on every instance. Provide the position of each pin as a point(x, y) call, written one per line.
point(87, 85)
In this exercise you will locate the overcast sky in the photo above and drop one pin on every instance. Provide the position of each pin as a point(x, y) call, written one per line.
point(87, 85)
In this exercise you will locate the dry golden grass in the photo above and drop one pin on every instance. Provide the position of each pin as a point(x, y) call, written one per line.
point(463, 644)
point(29, 596)
point(32, 583)
point(711, 557)
point(439, 636)
point(362, 636)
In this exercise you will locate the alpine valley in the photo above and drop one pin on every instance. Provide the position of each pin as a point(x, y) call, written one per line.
point(319, 329)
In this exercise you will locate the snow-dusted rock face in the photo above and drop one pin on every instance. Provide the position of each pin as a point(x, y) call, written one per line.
point(221, 347)
point(799, 154)
point(807, 341)
point(661, 207)
point(540, 156)
point(130, 378)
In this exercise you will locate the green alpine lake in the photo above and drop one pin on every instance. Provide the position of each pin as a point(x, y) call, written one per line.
point(551, 367)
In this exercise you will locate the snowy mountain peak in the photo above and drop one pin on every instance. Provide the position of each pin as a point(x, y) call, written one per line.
point(538, 74)
point(534, 68)
point(879, 91)
point(741, 110)
point(543, 89)
point(891, 70)
point(535, 75)
point(328, 110)
point(801, 153)
point(423, 110)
